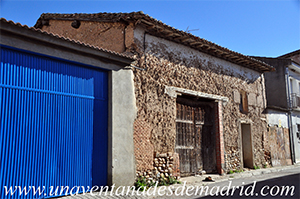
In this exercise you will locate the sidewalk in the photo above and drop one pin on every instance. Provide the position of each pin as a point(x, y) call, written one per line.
point(188, 181)
point(251, 172)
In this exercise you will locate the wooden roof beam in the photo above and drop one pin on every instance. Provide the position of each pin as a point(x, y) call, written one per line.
point(185, 40)
point(166, 31)
point(146, 22)
point(199, 46)
point(206, 47)
point(195, 43)
point(172, 34)
point(226, 55)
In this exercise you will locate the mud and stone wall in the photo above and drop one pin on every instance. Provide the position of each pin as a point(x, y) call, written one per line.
point(171, 64)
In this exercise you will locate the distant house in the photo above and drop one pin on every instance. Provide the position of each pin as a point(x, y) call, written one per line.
point(61, 122)
point(199, 105)
point(283, 105)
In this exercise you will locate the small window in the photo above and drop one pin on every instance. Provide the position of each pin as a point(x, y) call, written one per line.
point(244, 102)
point(298, 133)
point(291, 84)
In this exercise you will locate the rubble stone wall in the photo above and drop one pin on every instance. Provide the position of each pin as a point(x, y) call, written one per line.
point(171, 64)
point(165, 166)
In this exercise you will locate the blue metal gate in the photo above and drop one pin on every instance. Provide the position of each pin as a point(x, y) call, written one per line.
point(53, 125)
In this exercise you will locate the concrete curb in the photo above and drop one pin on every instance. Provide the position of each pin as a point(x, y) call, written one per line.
point(219, 178)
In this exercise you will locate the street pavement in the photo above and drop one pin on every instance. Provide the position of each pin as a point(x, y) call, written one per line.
point(261, 183)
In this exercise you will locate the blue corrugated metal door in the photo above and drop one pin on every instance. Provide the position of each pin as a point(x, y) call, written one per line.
point(53, 123)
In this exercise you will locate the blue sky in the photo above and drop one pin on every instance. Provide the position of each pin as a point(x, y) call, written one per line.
point(260, 28)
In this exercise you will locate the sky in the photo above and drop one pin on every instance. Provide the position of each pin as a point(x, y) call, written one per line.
point(267, 28)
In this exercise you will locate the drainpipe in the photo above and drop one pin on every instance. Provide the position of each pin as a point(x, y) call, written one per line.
point(145, 55)
point(290, 123)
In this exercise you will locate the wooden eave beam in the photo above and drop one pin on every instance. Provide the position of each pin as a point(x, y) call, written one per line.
point(195, 43)
point(150, 27)
point(179, 38)
point(242, 61)
point(159, 29)
point(185, 40)
point(170, 34)
point(199, 46)
point(167, 32)
point(146, 22)
point(206, 47)
point(219, 52)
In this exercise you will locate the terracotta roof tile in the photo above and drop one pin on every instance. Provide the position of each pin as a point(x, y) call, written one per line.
point(161, 29)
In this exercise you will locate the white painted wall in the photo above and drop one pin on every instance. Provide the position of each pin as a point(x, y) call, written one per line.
point(295, 121)
point(277, 118)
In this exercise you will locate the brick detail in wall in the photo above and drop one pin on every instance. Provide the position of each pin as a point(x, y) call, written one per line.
point(176, 165)
point(143, 149)
point(219, 137)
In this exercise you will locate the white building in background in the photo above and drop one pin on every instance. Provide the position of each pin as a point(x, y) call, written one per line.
point(283, 97)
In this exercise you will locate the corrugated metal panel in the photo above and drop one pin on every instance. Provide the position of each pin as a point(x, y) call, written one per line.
point(50, 110)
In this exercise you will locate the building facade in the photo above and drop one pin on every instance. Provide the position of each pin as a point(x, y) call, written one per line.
point(199, 105)
point(283, 91)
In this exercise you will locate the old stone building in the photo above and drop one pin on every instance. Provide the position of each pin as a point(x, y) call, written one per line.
point(198, 104)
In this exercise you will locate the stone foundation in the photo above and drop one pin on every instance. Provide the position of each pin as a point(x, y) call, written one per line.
point(164, 165)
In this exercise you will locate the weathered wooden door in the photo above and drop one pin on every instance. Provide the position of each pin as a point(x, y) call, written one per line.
point(195, 138)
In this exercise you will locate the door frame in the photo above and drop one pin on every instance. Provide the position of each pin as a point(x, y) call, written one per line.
point(197, 162)
point(245, 127)
point(220, 103)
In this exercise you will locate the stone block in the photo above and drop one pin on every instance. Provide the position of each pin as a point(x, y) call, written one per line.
point(236, 96)
point(252, 99)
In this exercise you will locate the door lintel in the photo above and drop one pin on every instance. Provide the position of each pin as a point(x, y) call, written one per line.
point(175, 91)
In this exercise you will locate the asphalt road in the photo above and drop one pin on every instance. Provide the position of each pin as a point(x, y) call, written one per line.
point(283, 184)
point(280, 187)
